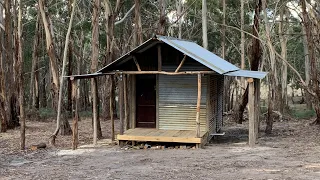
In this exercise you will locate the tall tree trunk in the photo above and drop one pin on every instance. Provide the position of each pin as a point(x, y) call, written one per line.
point(43, 72)
point(34, 80)
point(42, 89)
point(227, 82)
point(162, 18)
point(284, 71)
point(69, 88)
point(94, 65)
point(314, 81)
point(64, 125)
point(10, 73)
point(242, 45)
point(70, 64)
point(3, 115)
point(223, 30)
point(79, 63)
point(269, 120)
point(274, 82)
point(138, 25)
point(21, 89)
point(110, 19)
point(204, 25)
point(179, 14)
point(255, 59)
point(51, 52)
point(8, 64)
point(307, 66)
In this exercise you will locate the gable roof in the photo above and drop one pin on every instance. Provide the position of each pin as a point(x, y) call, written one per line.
point(200, 54)
point(190, 49)
point(186, 47)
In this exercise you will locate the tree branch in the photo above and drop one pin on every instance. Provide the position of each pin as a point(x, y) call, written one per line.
point(125, 16)
point(277, 54)
point(2, 27)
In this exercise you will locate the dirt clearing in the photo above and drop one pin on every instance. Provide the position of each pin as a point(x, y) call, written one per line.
point(292, 152)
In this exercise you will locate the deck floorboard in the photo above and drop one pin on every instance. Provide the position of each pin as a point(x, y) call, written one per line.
point(157, 135)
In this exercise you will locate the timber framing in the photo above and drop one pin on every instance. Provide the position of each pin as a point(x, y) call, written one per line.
point(181, 63)
point(87, 76)
point(136, 63)
point(159, 58)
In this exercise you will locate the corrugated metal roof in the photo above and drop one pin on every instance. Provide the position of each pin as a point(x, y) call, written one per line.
point(200, 54)
point(246, 73)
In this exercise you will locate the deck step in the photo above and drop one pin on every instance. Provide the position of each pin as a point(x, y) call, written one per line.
point(218, 134)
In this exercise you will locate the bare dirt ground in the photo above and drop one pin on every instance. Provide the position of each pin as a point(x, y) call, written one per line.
point(292, 152)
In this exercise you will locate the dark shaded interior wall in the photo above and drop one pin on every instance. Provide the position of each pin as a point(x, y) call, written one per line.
point(148, 60)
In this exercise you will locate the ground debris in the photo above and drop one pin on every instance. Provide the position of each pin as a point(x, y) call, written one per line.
point(291, 152)
point(38, 146)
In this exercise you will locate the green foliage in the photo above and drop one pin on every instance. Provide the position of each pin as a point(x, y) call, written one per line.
point(47, 113)
point(263, 109)
point(86, 113)
point(299, 111)
point(303, 114)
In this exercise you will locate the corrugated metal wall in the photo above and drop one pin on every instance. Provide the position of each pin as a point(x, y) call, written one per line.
point(177, 102)
point(212, 98)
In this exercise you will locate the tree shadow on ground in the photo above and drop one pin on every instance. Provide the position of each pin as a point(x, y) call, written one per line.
point(232, 135)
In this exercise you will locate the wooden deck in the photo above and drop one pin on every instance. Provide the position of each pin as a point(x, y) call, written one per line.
point(156, 135)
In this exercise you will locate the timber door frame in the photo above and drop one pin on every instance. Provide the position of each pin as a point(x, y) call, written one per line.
point(133, 101)
point(157, 101)
point(149, 118)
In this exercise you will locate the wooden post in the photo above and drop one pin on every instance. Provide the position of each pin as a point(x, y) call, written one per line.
point(133, 102)
point(157, 101)
point(111, 107)
point(159, 58)
point(257, 105)
point(252, 114)
point(121, 103)
point(75, 115)
point(125, 101)
point(198, 106)
point(95, 110)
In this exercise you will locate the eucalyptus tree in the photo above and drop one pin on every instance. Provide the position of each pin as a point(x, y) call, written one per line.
point(94, 65)
point(312, 27)
point(21, 80)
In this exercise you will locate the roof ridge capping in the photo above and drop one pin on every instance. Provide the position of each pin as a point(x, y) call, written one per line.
point(173, 38)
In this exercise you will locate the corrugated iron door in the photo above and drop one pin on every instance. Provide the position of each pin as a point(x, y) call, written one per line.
point(215, 114)
point(220, 86)
point(211, 113)
point(178, 100)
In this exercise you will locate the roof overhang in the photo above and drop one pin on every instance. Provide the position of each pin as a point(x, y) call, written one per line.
point(247, 74)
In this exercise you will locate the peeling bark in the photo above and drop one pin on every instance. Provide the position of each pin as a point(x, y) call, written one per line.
point(255, 59)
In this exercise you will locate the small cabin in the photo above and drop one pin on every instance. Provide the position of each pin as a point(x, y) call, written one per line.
point(174, 89)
